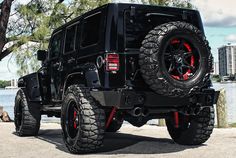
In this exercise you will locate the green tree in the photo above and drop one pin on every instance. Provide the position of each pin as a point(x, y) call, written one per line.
point(34, 22)
point(4, 84)
point(30, 26)
point(5, 8)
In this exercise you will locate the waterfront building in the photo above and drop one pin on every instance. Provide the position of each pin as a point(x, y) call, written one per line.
point(216, 68)
point(227, 60)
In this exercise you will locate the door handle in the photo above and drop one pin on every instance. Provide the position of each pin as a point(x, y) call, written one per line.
point(70, 61)
point(56, 65)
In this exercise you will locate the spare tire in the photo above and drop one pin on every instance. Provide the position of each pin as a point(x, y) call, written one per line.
point(175, 59)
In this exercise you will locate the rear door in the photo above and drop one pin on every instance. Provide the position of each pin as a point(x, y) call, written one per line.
point(69, 51)
point(55, 65)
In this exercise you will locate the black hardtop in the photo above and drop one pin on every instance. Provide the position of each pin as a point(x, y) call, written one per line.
point(124, 5)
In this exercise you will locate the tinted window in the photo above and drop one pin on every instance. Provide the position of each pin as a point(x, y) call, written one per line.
point(90, 32)
point(70, 39)
point(136, 29)
point(56, 45)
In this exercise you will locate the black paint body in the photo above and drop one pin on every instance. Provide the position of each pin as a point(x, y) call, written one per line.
point(120, 29)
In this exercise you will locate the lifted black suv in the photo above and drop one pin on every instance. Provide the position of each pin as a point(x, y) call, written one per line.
point(122, 62)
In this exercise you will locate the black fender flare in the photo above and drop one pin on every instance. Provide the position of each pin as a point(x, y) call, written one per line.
point(87, 75)
point(91, 75)
point(31, 87)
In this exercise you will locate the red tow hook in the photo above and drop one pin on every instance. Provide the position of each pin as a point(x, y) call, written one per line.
point(111, 116)
point(176, 118)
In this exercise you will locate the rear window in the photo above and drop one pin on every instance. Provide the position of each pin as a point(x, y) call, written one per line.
point(91, 30)
point(137, 27)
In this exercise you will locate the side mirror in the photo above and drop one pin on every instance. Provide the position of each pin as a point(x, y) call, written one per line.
point(41, 55)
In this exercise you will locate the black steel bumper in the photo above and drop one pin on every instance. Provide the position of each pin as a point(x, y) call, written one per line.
point(127, 99)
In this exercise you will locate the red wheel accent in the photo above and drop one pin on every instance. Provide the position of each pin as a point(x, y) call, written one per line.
point(188, 48)
point(74, 118)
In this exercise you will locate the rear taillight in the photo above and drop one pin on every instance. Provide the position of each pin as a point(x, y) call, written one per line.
point(112, 62)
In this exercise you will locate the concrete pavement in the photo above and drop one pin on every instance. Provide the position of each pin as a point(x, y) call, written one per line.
point(130, 142)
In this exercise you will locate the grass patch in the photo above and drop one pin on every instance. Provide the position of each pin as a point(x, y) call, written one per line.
point(232, 125)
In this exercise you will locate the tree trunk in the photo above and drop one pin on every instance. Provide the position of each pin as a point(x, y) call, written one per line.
point(5, 8)
point(221, 109)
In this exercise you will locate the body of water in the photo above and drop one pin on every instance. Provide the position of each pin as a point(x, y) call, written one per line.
point(7, 98)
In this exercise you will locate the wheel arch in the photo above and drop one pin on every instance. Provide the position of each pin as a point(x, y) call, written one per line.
point(88, 76)
point(30, 85)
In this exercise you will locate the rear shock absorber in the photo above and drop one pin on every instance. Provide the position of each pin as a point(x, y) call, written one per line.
point(176, 119)
point(111, 116)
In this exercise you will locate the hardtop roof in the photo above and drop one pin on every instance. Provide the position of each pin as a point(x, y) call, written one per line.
point(110, 4)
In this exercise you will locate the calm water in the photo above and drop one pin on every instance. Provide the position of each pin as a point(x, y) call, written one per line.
point(7, 98)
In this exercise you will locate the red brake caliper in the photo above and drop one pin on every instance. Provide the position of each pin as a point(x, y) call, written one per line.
point(74, 119)
point(113, 111)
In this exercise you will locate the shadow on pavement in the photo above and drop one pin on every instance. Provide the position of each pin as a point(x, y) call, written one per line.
point(121, 143)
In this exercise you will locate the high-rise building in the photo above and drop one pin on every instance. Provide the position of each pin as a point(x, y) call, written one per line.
point(227, 60)
point(216, 68)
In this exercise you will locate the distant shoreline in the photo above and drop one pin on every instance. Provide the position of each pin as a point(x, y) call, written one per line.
point(224, 82)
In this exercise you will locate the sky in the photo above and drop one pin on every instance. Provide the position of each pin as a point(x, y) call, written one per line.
point(219, 19)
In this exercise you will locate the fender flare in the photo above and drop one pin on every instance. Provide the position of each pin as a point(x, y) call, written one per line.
point(88, 75)
point(31, 87)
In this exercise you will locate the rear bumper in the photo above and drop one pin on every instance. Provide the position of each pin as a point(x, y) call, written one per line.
point(128, 99)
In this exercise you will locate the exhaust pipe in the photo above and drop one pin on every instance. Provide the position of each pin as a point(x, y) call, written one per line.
point(136, 112)
point(145, 112)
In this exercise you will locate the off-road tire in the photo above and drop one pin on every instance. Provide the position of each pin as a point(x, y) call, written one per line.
point(152, 67)
point(195, 131)
point(91, 121)
point(27, 115)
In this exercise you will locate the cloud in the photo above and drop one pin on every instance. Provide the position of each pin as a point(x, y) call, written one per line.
point(217, 13)
point(231, 38)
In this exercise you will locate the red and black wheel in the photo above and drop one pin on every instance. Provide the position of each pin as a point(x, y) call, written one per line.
point(82, 121)
point(27, 115)
point(175, 59)
point(191, 129)
point(181, 59)
point(72, 119)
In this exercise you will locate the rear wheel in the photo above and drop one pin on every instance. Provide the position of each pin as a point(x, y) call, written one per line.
point(27, 115)
point(175, 59)
point(192, 130)
point(82, 121)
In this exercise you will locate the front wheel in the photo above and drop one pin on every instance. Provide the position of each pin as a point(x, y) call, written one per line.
point(27, 115)
point(192, 130)
point(82, 121)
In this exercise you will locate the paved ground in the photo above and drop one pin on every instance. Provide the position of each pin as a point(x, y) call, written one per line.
point(148, 141)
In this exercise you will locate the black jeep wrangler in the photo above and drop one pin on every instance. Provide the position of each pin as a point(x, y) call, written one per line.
point(122, 62)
